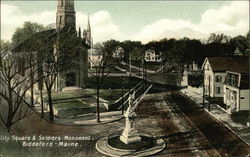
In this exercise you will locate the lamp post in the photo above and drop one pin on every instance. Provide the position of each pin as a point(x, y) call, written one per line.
point(142, 69)
point(122, 95)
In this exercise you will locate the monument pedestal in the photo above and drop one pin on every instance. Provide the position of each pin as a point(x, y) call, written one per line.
point(131, 137)
point(130, 134)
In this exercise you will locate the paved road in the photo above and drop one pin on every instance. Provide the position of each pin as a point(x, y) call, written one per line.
point(220, 137)
point(188, 130)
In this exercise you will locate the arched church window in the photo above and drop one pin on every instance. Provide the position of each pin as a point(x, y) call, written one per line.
point(60, 20)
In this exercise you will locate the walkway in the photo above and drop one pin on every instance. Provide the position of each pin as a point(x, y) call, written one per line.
point(221, 115)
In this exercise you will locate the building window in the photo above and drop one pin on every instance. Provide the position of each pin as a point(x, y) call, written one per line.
point(60, 20)
point(207, 67)
point(227, 94)
point(233, 80)
point(218, 79)
point(206, 92)
point(217, 90)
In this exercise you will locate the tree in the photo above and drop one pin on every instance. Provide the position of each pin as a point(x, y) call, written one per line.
point(4, 48)
point(128, 46)
point(241, 42)
point(56, 55)
point(14, 87)
point(105, 50)
point(218, 38)
point(25, 32)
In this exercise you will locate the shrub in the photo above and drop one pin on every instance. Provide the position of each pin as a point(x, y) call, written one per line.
point(241, 117)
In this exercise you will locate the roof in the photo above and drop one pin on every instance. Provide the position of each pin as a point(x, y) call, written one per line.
point(237, 64)
point(45, 37)
point(30, 41)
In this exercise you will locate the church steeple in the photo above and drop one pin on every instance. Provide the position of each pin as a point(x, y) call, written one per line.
point(65, 16)
point(79, 32)
point(88, 31)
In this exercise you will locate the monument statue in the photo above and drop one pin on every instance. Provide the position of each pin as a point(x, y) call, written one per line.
point(130, 134)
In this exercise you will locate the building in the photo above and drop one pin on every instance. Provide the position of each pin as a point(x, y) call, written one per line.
point(62, 41)
point(237, 87)
point(95, 58)
point(215, 73)
point(118, 53)
point(152, 56)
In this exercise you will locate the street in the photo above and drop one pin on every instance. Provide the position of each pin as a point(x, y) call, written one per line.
point(187, 129)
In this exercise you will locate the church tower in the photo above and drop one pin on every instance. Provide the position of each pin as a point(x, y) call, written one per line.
point(65, 15)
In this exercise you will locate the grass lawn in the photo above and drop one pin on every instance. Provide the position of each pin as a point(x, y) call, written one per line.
point(64, 95)
point(113, 82)
point(106, 94)
point(106, 70)
point(153, 67)
point(67, 104)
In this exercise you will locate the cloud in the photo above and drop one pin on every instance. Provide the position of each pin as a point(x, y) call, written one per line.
point(231, 19)
point(102, 25)
point(12, 17)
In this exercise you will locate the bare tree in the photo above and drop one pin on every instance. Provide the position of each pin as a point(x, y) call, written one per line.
point(105, 61)
point(57, 58)
point(14, 88)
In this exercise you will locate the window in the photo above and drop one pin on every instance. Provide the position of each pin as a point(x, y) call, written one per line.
point(217, 90)
point(60, 20)
point(218, 78)
point(227, 94)
point(207, 67)
point(233, 80)
point(206, 92)
point(228, 79)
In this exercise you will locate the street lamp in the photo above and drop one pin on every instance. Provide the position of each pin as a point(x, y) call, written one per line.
point(122, 95)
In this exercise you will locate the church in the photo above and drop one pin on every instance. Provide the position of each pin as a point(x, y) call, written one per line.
point(64, 42)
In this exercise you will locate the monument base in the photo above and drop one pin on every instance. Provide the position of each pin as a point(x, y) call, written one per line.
point(128, 138)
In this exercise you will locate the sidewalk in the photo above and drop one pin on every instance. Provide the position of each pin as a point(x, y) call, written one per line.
point(90, 119)
point(241, 130)
point(84, 119)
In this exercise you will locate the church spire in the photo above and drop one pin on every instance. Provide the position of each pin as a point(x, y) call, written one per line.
point(88, 38)
point(79, 32)
point(88, 25)
point(65, 15)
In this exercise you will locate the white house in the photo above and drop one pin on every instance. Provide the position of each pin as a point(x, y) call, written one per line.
point(152, 56)
point(236, 88)
point(215, 73)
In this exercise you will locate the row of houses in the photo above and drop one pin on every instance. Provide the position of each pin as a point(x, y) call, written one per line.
point(224, 80)
point(150, 55)
point(227, 78)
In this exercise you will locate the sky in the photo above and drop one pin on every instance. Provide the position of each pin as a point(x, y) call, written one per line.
point(136, 20)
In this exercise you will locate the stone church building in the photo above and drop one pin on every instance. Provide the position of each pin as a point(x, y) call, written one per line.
point(62, 41)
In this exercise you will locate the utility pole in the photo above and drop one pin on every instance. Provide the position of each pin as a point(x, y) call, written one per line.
point(130, 64)
point(203, 91)
point(142, 69)
point(209, 89)
point(122, 95)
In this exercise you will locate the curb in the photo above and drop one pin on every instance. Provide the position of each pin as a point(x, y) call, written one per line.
point(222, 121)
point(91, 124)
point(227, 127)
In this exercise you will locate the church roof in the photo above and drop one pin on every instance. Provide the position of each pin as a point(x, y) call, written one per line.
point(31, 42)
point(45, 37)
